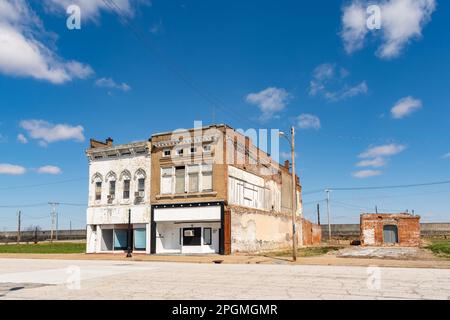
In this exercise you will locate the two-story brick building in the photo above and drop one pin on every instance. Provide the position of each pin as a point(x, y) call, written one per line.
point(210, 190)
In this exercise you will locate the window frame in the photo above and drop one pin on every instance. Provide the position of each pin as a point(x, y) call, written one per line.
point(98, 191)
point(125, 189)
point(166, 155)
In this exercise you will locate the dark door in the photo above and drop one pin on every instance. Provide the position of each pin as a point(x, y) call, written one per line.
point(192, 236)
point(390, 234)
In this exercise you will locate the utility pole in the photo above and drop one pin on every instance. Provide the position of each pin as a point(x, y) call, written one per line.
point(19, 220)
point(318, 214)
point(328, 213)
point(54, 220)
point(294, 198)
point(376, 209)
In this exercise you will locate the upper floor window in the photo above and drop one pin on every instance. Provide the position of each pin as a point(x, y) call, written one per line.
point(166, 180)
point(182, 179)
point(206, 148)
point(180, 152)
point(112, 188)
point(193, 178)
point(166, 152)
point(98, 190)
point(193, 150)
point(141, 185)
point(206, 177)
point(126, 189)
point(180, 182)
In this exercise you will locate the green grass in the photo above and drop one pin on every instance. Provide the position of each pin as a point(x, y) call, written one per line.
point(440, 248)
point(303, 252)
point(61, 247)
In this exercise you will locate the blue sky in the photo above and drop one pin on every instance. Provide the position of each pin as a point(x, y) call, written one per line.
point(370, 106)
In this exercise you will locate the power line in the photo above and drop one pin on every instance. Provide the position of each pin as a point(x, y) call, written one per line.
point(378, 187)
point(393, 186)
point(25, 205)
point(171, 65)
point(41, 184)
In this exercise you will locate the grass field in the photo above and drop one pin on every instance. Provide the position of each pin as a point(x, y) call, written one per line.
point(61, 247)
point(440, 248)
point(303, 252)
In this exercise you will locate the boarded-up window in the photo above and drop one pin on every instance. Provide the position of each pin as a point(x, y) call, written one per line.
point(193, 176)
point(207, 177)
point(180, 179)
point(166, 180)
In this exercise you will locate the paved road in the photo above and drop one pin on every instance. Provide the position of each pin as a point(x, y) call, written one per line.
point(58, 279)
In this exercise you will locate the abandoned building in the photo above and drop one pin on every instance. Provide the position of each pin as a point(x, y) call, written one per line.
point(201, 190)
point(119, 181)
point(388, 229)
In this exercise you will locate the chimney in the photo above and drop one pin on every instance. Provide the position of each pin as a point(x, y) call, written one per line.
point(109, 142)
point(287, 164)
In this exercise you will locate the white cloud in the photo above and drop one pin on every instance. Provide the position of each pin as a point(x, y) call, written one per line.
point(111, 84)
point(382, 151)
point(354, 28)
point(405, 107)
point(23, 54)
point(269, 101)
point(49, 170)
point(308, 121)
point(330, 83)
point(366, 173)
point(447, 156)
point(47, 132)
point(401, 22)
point(6, 168)
point(376, 162)
point(22, 139)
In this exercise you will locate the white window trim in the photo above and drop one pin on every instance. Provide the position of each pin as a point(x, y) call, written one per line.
point(200, 172)
point(164, 153)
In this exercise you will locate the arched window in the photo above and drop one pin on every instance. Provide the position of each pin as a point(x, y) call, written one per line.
point(97, 178)
point(140, 176)
point(125, 176)
point(111, 178)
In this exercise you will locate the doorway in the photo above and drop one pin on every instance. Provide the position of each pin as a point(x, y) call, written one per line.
point(390, 234)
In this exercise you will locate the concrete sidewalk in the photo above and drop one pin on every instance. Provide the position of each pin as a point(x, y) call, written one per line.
point(326, 260)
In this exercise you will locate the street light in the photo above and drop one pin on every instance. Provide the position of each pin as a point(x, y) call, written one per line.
point(294, 194)
point(129, 235)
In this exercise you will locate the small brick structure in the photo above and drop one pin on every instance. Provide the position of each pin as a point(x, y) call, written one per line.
point(312, 233)
point(387, 229)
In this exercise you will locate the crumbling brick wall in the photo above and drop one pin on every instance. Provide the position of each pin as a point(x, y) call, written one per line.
point(254, 230)
point(312, 233)
point(408, 229)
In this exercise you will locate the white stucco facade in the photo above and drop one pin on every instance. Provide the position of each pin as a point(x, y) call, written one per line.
point(119, 181)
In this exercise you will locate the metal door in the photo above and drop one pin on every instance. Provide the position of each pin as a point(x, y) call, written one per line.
point(390, 234)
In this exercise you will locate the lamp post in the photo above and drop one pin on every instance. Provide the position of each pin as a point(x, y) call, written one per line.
point(129, 235)
point(294, 195)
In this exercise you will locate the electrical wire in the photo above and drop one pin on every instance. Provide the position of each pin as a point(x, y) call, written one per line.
point(41, 184)
point(171, 65)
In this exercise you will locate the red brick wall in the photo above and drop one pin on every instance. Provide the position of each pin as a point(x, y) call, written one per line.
point(312, 233)
point(372, 229)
